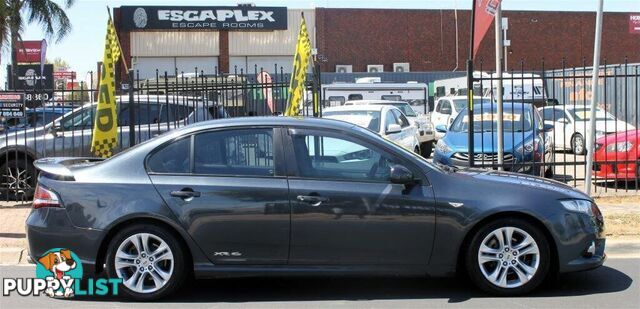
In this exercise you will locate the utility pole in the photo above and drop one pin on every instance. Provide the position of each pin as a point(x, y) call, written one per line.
point(498, 86)
point(594, 98)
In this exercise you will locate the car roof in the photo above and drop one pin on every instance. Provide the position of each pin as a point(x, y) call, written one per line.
point(322, 123)
point(365, 102)
point(361, 107)
point(506, 105)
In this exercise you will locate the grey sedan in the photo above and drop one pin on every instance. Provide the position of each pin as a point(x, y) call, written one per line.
point(284, 196)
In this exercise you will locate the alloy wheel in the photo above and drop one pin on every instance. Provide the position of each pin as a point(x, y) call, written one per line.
point(17, 179)
point(508, 257)
point(578, 144)
point(144, 262)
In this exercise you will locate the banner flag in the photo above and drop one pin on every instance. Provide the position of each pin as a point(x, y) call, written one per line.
point(485, 13)
point(105, 134)
point(299, 74)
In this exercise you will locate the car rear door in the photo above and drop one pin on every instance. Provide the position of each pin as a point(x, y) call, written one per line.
point(344, 209)
point(229, 191)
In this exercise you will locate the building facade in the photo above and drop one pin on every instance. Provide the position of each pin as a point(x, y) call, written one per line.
point(359, 40)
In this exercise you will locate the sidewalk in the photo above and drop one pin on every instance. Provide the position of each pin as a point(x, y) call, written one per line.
point(622, 227)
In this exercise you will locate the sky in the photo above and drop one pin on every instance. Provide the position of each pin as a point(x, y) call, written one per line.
point(83, 47)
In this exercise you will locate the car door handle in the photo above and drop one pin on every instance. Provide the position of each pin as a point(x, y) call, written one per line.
point(314, 200)
point(185, 193)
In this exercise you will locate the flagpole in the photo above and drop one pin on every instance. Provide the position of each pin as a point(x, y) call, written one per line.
point(470, 85)
point(594, 97)
point(119, 46)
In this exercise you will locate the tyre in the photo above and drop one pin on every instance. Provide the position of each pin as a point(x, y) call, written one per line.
point(548, 173)
point(148, 259)
point(577, 144)
point(508, 257)
point(18, 179)
point(426, 149)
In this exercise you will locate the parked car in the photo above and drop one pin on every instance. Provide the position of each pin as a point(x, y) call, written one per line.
point(71, 134)
point(425, 134)
point(571, 125)
point(34, 118)
point(386, 120)
point(262, 195)
point(527, 149)
point(447, 109)
point(617, 156)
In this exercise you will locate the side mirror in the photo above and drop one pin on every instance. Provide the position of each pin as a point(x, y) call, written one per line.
point(441, 128)
point(393, 128)
point(400, 175)
point(548, 127)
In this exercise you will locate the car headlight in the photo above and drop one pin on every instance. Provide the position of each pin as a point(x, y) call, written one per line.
point(529, 146)
point(581, 206)
point(619, 147)
point(441, 146)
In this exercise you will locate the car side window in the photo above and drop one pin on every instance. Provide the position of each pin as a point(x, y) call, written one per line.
point(445, 107)
point(389, 119)
point(438, 107)
point(404, 122)
point(559, 114)
point(146, 113)
point(174, 112)
point(242, 152)
point(173, 158)
point(547, 114)
point(80, 120)
point(327, 157)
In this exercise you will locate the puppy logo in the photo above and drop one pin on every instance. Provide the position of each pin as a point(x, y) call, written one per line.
point(61, 267)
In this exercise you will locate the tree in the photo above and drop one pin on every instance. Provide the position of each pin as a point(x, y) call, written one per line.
point(60, 64)
point(16, 14)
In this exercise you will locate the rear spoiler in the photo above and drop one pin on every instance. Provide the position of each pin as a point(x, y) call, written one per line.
point(58, 167)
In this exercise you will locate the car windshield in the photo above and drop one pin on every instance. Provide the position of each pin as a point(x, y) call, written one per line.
point(515, 120)
point(460, 104)
point(365, 119)
point(584, 114)
point(405, 108)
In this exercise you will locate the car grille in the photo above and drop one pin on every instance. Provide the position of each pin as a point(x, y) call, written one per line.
point(484, 157)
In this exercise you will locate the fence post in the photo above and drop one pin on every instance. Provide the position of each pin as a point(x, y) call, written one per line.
point(132, 112)
point(470, 110)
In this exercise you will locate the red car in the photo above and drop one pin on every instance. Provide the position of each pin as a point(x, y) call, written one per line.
point(617, 156)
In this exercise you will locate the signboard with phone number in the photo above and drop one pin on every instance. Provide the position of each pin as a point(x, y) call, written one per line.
point(12, 104)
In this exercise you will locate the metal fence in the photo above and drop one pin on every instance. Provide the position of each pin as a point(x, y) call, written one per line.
point(546, 117)
point(146, 108)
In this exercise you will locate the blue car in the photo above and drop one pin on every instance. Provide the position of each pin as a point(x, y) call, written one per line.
point(527, 147)
point(35, 117)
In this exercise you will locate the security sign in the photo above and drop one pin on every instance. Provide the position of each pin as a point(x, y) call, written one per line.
point(12, 105)
point(634, 23)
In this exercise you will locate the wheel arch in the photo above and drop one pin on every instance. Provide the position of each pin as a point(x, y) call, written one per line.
point(104, 244)
point(510, 215)
point(18, 153)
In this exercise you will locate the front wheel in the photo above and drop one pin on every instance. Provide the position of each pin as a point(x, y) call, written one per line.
point(508, 257)
point(426, 149)
point(577, 144)
point(148, 259)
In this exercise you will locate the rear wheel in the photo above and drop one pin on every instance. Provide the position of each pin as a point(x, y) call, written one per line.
point(148, 259)
point(577, 144)
point(508, 257)
point(18, 179)
point(426, 149)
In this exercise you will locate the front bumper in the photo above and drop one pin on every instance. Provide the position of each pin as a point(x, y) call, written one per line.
point(616, 171)
point(49, 228)
point(580, 241)
point(511, 163)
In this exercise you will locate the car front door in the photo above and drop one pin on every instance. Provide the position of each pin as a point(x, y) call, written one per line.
point(345, 211)
point(390, 118)
point(229, 191)
point(408, 131)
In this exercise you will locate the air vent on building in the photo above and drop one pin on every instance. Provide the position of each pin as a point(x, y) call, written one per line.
point(401, 67)
point(375, 68)
point(344, 68)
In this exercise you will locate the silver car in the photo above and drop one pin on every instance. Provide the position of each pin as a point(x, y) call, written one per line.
point(70, 135)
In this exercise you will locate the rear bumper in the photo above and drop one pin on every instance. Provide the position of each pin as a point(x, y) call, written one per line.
point(49, 228)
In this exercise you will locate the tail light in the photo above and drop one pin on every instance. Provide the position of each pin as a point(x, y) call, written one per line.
point(45, 198)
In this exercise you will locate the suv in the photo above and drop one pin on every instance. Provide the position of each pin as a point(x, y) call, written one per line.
point(70, 135)
point(425, 133)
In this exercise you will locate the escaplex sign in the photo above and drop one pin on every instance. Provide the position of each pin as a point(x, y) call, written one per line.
point(198, 18)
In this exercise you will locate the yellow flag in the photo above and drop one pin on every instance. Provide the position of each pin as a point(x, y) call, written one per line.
point(299, 74)
point(105, 129)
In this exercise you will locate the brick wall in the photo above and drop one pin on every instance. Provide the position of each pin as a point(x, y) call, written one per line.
point(426, 39)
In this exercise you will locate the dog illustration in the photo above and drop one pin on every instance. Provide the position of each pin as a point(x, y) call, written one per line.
point(58, 263)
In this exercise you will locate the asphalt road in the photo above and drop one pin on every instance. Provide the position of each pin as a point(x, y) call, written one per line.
point(614, 285)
